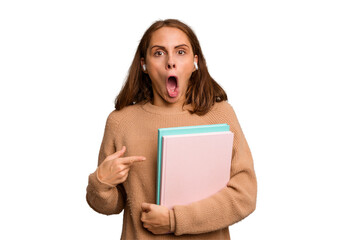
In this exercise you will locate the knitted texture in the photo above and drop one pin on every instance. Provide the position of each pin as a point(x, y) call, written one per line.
point(136, 128)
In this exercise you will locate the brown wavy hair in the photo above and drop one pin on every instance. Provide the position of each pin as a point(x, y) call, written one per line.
point(202, 92)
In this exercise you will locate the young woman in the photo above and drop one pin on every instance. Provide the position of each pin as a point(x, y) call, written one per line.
point(168, 86)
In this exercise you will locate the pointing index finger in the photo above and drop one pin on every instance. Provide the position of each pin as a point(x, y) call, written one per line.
point(131, 160)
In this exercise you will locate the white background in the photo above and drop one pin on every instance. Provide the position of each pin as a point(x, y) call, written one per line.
point(290, 69)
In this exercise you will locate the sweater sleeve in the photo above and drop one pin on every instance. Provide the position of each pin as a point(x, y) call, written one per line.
point(231, 204)
point(102, 197)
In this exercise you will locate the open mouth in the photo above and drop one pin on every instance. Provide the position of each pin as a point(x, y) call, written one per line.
point(172, 86)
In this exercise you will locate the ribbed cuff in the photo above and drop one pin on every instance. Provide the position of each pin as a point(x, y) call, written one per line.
point(172, 221)
point(97, 183)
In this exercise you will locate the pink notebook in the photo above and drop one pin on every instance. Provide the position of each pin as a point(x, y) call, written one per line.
point(194, 166)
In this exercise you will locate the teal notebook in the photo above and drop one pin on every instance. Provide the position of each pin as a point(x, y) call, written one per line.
point(179, 131)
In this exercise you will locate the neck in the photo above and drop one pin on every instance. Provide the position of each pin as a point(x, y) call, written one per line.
point(170, 107)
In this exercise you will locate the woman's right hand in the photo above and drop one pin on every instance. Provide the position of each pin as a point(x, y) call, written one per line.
point(115, 169)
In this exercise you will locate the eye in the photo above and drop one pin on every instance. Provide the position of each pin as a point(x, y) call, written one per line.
point(159, 53)
point(181, 52)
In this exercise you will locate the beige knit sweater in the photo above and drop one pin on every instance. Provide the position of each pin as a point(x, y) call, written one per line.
point(136, 127)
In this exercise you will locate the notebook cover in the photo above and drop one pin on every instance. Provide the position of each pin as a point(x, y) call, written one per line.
point(194, 166)
point(178, 131)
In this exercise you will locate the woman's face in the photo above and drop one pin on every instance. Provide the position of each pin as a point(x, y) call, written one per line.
point(169, 64)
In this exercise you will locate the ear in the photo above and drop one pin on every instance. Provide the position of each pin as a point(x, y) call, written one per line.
point(142, 62)
point(196, 60)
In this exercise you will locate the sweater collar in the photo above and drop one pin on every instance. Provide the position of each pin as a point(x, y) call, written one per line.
point(149, 107)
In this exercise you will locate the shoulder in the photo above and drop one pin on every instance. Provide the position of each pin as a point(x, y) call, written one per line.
point(123, 115)
point(223, 109)
point(223, 106)
point(223, 112)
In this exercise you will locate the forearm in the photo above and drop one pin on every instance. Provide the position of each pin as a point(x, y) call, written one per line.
point(104, 198)
point(230, 205)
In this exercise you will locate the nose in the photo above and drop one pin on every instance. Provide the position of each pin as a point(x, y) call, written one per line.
point(170, 63)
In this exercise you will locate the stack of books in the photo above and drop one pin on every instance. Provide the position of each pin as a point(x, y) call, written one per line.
point(193, 163)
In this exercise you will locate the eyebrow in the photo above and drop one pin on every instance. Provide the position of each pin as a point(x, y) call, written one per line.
point(162, 47)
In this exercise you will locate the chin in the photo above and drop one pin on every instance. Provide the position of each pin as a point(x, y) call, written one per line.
point(172, 100)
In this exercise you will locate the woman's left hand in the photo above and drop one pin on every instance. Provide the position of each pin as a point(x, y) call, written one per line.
point(155, 218)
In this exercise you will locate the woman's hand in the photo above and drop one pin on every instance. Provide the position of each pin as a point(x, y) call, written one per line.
point(155, 218)
point(114, 169)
